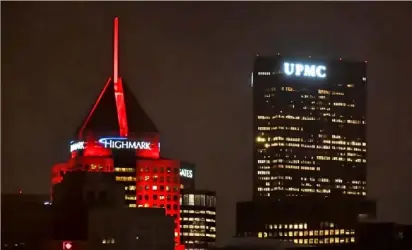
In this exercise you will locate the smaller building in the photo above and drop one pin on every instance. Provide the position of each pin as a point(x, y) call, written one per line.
point(198, 214)
point(25, 221)
point(305, 222)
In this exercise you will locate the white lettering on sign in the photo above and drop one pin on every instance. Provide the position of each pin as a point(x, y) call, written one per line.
point(188, 173)
point(77, 146)
point(305, 70)
point(115, 143)
point(123, 143)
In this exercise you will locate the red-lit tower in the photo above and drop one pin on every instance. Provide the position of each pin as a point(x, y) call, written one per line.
point(127, 143)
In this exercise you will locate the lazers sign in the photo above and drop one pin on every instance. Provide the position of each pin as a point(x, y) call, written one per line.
point(115, 143)
point(304, 70)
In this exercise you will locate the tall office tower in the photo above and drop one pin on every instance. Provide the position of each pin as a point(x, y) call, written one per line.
point(309, 128)
point(118, 136)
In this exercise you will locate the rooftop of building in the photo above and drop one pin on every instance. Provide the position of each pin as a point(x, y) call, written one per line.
point(102, 117)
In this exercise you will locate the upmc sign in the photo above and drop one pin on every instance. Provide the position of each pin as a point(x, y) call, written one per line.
point(304, 70)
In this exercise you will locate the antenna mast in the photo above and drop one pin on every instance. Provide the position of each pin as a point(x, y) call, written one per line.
point(116, 50)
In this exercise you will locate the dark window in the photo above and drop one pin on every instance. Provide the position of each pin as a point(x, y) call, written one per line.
point(102, 196)
point(90, 196)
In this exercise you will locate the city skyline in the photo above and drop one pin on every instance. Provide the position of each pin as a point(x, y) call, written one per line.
point(61, 48)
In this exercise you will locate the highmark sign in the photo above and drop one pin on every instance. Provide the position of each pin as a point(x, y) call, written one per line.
point(304, 70)
point(187, 173)
point(114, 143)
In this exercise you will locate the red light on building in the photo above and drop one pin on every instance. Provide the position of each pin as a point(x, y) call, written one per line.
point(67, 245)
point(158, 185)
point(110, 137)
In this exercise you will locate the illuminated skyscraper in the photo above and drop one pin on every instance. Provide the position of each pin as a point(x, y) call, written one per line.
point(118, 136)
point(309, 161)
point(309, 128)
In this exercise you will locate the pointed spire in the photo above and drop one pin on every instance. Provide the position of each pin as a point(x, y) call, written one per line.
point(116, 50)
point(108, 115)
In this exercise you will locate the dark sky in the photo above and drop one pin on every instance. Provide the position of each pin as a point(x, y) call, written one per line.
point(189, 64)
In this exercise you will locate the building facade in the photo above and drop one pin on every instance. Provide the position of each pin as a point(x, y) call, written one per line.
point(198, 214)
point(309, 127)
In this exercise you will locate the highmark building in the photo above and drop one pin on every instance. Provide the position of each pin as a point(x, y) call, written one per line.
point(309, 153)
point(118, 136)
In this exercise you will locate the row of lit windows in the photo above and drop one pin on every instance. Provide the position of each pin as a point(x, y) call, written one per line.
point(160, 188)
point(199, 200)
point(157, 197)
point(129, 170)
point(125, 178)
point(194, 226)
point(323, 224)
point(294, 189)
point(184, 218)
point(108, 241)
point(305, 168)
point(329, 240)
point(198, 234)
point(212, 229)
point(196, 219)
point(328, 92)
point(300, 139)
point(323, 158)
point(265, 191)
point(306, 233)
point(160, 170)
point(324, 179)
point(199, 212)
point(313, 146)
point(156, 178)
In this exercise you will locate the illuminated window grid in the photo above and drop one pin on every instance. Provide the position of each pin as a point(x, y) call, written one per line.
point(301, 234)
point(158, 185)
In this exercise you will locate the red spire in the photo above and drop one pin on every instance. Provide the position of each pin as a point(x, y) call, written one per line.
point(118, 86)
point(116, 50)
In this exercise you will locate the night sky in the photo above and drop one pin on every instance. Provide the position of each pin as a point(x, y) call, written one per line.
point(189, 64)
